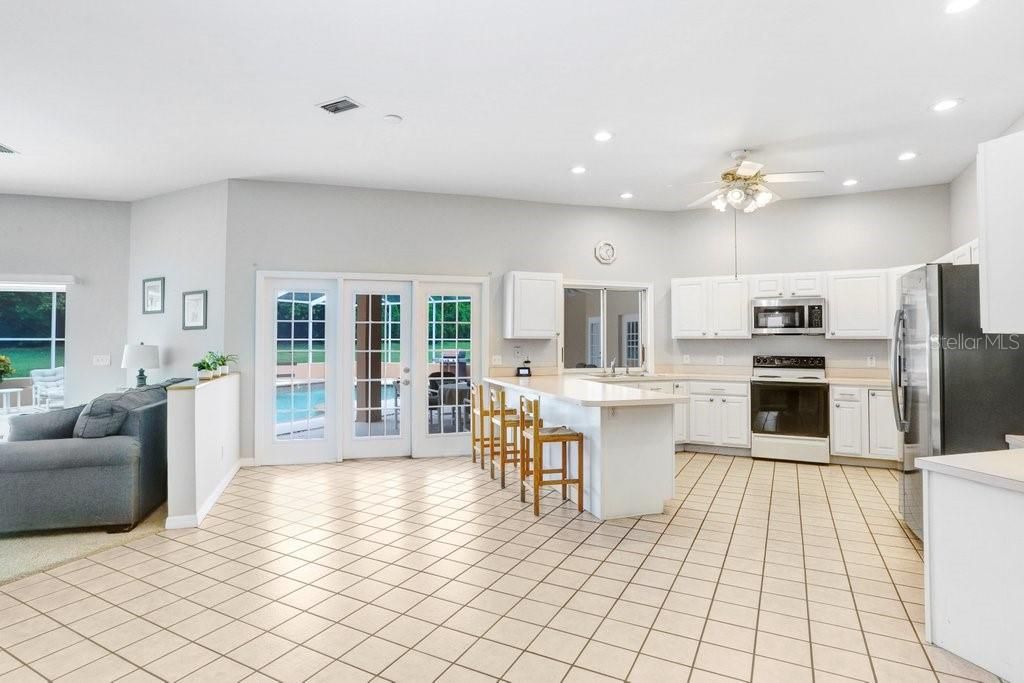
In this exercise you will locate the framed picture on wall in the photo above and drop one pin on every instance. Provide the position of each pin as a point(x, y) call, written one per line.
point(153, 295)
point(193, 310)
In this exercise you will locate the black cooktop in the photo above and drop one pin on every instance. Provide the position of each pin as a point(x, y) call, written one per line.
point(815, 362)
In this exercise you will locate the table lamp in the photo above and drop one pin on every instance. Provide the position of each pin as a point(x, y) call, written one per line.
point(143, 357)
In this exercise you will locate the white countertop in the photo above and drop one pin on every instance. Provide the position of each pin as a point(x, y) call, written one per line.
point(1015, 440)
point(587, 392)
point(1004, 469)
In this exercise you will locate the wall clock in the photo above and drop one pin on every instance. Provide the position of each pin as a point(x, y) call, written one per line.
point(604, 252)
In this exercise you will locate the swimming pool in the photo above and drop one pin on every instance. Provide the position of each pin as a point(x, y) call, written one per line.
point(300, 401)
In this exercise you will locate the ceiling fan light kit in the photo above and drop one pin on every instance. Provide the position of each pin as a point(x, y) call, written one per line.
point(745, 187)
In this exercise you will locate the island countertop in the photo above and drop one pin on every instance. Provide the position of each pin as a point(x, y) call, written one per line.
point(586, 392)
point(1004, 469)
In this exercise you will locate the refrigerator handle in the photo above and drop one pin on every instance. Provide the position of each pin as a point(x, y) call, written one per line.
point(895, 370)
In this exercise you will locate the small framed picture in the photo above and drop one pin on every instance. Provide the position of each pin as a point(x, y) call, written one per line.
point(193, 310)
point(153, 295)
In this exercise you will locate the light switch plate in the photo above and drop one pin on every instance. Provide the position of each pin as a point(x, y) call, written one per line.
point(101, 361)
point(495, 360)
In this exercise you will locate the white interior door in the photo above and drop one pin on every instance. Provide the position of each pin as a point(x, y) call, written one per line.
point(448, 320)
point(377, 369)
point(296, 373)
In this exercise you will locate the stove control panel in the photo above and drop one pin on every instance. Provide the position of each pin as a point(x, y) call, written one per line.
point(794, 362)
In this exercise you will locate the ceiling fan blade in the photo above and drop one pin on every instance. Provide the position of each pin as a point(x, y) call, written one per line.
point(748, 169)
point(706, 198)
point(796, 177)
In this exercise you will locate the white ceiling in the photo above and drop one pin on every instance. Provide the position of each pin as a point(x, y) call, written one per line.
point(125, 99)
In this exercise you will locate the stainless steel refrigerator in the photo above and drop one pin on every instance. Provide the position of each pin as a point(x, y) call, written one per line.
point(955, 389)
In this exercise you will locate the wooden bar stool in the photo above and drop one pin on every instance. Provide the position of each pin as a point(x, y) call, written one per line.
point(503, 421)
point(533, 435)
point(479, 433)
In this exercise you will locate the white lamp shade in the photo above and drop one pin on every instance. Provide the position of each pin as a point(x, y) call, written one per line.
point(140, 356)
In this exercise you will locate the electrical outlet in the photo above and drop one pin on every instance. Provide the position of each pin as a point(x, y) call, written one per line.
point(720, 360)
point(495, 360)
point(101, 361)
point(686, 359)
point(872, 361)
point(518, 351)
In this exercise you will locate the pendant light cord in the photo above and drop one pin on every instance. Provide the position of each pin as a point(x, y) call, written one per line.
point(735, 249)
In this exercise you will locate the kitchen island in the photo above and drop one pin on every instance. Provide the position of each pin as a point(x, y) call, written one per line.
point(629, 450)
point(974, 585)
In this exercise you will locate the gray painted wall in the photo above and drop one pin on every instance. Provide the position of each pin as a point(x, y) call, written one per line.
point(287, 226)
point(181, 237)
point(89, 240)
point(963, 200)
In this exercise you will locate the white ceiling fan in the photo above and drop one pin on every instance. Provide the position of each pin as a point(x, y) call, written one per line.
point(745, 187)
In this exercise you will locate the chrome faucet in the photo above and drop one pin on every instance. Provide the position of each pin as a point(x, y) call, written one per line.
point(609, 370)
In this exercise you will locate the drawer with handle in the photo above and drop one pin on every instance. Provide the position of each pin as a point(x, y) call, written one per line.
point(720, 388)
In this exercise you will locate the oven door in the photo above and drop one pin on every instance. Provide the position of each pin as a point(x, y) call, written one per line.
point(778, 317)
point(789, 408)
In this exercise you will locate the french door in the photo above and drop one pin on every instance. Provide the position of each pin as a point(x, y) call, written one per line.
point(377, 369)
point(366, 368)
point(297, 374)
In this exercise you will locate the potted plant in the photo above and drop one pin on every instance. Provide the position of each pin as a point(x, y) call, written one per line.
point(203, 369)
point(222, 361)
point(6, 369)
point(213, 360)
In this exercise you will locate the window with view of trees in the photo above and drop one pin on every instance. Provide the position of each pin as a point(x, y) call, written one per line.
point(32, 330)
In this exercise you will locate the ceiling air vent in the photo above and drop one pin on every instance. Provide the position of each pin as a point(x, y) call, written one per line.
point(6, 150)
point(338, 106)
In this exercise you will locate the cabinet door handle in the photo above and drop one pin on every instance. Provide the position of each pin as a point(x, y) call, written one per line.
point(872, 393)
point(837, 405)
point(711, 400)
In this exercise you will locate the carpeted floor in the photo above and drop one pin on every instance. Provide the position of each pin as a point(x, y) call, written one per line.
point(27, 553)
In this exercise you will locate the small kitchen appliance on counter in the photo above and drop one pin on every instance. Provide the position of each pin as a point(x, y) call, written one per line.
point(789, 409)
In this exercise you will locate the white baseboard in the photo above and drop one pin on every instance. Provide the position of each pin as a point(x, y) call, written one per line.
point(247, 462)
point(181, 522)
point(192, 521)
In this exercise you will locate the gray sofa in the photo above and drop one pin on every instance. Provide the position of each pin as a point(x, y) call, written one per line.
point(103, 464)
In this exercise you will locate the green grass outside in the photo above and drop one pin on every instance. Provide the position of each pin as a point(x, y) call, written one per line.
point(25, 358)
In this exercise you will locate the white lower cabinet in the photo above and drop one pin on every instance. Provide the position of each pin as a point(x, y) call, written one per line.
point(883, 437)
point(862, 423)
point(681, 417)
point(720, 414)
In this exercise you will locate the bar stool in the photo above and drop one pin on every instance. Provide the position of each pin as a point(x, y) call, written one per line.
point(533, 436)
point(503, 420)
point(479, 436)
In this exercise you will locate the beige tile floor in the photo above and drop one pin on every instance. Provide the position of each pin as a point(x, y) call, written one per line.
point(421, 570)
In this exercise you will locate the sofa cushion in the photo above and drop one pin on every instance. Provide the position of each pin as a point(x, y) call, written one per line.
point(54, 424)
point(102, 416)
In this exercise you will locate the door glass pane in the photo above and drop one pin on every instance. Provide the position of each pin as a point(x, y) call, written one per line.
point(301, 392)
point(583, 328)
point(449, 363)
point(377, 360)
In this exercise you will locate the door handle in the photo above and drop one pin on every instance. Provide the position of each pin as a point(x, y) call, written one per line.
point(898, 325)
point(405, 382)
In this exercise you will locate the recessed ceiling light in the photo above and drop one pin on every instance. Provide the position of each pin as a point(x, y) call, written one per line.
point(907, 156)
point(850, 182)
point(957, 6)
point(393, 119)
point(578, 170)
point(946, 105)
point(626, 195)
point(602, 136)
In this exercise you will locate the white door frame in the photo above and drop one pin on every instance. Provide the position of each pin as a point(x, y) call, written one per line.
point(267, 450)
point(263, 277)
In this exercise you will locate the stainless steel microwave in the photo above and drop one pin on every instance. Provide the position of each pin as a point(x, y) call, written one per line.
point(804, 315)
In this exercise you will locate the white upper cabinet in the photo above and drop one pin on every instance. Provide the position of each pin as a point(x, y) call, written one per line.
point(806, 284)
point(690, 308)
point(1000, 208)
point(768, 286)
point(730, 308)
point(533, 305)
point(787, 285)
point(858, 304)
